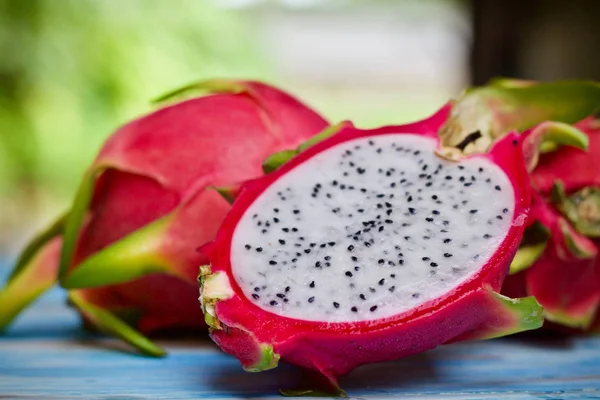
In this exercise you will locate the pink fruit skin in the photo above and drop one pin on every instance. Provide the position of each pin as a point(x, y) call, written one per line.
point(168, 157)
point(334, 349)
point(563, 284)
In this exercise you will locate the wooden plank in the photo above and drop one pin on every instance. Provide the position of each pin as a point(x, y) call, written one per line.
point(46, 356)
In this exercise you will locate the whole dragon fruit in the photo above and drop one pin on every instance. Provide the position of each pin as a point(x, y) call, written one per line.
point(126, 249)
point(368, 246)
point(557, 261)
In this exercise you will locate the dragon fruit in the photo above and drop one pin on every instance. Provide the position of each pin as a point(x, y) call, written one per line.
point(368, 246)
point(558, 262)
point(126, 250)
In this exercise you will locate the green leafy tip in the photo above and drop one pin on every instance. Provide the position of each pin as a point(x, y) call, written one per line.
point(198, 89)
point(134, 256)
point(110, 324)
point(276, 160)
point(526, 314)
point(548, 136)
point(268, 360)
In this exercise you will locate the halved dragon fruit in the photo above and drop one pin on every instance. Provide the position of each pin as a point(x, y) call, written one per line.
point(369, 246)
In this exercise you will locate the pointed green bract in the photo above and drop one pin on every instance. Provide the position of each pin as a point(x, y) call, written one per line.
point(526, 314)
point(506, 105)
point(276, 160)
point(201, 88)
point(36, 276)
point(549, 136)
point(75, 218)
point(43, 237)
point(268, 360)
point(134, 256)
point(526, 256)
point(327, 132)
point(583, 321)
point(110, 324)
point(229, 193)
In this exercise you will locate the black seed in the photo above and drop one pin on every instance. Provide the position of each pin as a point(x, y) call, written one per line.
point(381, 282)
point(373, 308)
point(412, 210)
point(362, 296)
point(468, 184)
point(328, 264)
point(388, 221)
point(287, 289)
point(257, 289)
point(334, 183)
point(336, 304)
point(273, 303)
point(446, 223)
point(367, 244)
point(435, 212)
point(312, 284)
point(448, 177)
point(307, 251)
point(447, 240)
point(472, 211)
point(281, 241)
point(273, 262)
point(280, 295)
point(354, 309)
point(416, 295)
point(318, 264)
point(447, 255)
point(348, 273)
point(357, 268)
point(294, 229)
point(425, 258)
point(409, 199)
point(263, 231)
point(388, 205)
point(331, 244)
point(354, 258)
point(497, 188)
point(487, 236)
point(285, 229)
point(434, 197)
point(286, 300)
point(311, 299)
point(255, 296)
point(323, 245)
point(429, 219)
point(381, 261)
point(296, 211)
point(248, 247)
point(350, 248)
point(360, 170)
point(313, 244)
point(433, 264)
point(505, 210)
point(259, 249)
point(392, 275)
point(276, 220)
point(372, 290)
point(498, 216)
point(380, 228)
point(327, 258)
point(480, 169)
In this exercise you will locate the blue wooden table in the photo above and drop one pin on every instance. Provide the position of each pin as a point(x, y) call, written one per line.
point(46, 356)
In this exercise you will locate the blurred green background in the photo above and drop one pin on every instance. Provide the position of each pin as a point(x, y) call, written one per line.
point(72, 71)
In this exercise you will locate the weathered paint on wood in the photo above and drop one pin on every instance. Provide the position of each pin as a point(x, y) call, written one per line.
point(46, 356)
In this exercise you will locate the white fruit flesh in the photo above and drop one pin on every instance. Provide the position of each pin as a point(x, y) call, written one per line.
point(369, 229)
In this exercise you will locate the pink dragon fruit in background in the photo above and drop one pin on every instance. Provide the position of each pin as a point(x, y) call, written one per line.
point(368, 246)
point(126, 250)
point(557, 261)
